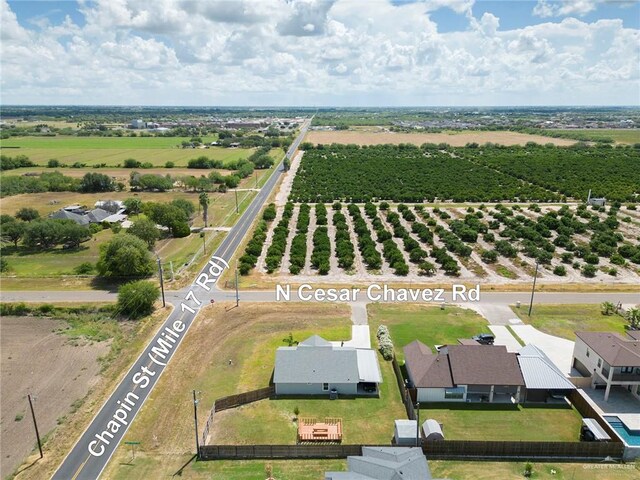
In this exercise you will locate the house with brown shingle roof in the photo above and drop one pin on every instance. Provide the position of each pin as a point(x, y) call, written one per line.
point(609, 359)
point(464, 373)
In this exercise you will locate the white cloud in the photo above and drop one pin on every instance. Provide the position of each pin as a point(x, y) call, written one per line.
point(312, 52)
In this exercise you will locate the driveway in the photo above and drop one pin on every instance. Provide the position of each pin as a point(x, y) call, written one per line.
point(360, 338)
point(559, 350)
point(504, 337)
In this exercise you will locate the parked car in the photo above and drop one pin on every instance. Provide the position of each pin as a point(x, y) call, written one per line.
point(484, 338)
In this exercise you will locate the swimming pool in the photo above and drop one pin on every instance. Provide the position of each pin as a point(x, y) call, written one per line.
point(631, 437)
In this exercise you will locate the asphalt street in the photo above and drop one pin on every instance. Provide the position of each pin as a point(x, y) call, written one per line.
point(92, 451)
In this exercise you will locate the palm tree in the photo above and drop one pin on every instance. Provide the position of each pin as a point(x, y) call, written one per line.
point(204, 203)
point(633, 316)
point(607, 308)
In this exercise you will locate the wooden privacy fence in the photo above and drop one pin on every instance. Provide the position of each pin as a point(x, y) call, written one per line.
point(579, 401)
point(478, 450)
point(404, 392)
point(440, 450)
point(230, 452)
point(233, 401)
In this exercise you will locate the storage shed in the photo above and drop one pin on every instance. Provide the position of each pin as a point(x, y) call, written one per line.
point(405, 432)
point(431, 430)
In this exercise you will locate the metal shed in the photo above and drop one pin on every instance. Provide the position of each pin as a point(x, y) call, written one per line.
point(405, 432)
point(432, 430)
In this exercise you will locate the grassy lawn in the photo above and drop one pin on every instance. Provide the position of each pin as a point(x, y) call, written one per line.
point(542, 471)
point(247, 336)
point(564, 320)
point(147, 467)
point(426, 323)
point(505, 422)
point(364, 420)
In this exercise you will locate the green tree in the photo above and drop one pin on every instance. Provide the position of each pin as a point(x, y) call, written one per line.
point(125, 256)
point(27, 214)
point(204, 203)
point(96, 182)
point(133, 205)
point(13, 232)
point(73, 234)
point(42, 233)
point(185, 205)
point(136, 299)
point(146, 230)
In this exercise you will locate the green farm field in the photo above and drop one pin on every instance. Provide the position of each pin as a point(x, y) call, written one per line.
point(115, 150)
point(626, 135)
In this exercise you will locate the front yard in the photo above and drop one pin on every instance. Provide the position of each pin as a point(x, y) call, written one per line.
point(474, 421)
point(564, 320)
point(426, 323)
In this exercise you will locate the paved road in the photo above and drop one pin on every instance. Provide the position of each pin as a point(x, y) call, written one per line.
point(97, 444)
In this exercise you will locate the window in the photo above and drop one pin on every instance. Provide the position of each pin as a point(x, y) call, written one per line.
point(454, 393)
point(325, 386)
point(599, 362)
point(626, 370)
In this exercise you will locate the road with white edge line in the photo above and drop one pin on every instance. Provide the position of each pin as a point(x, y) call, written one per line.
point(92, 451)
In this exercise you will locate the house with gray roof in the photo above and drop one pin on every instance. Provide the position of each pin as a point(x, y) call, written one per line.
point(63, 214)
point(464, 373)
point(318, 367)
point(542, 379)
point(610, 359)
point(385, 463)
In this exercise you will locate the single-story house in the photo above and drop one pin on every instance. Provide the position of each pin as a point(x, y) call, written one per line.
point(463, 373)
point(609, 359)
point(64, 214)
point(317, 367)
point(542, 379)
point(385, 463)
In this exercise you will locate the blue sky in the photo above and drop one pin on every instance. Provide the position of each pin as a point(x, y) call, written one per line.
point(321, 52)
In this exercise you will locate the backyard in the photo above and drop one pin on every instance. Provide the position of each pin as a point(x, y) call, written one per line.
point(564, 320)
point(246, 336)
point(426, 323)
point(476, 421)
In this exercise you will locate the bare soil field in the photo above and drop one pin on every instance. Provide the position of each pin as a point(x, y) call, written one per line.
point(455, 139)
point(61, 373)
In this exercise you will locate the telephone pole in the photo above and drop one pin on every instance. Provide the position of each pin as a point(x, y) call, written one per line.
point(237, 292)
point(161, 279)
point(35, 425)
point(237, 207)
point(195, 417)
point(533, 289)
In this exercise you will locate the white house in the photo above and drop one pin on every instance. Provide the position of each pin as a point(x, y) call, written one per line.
point(609, 359)
point(318, 367)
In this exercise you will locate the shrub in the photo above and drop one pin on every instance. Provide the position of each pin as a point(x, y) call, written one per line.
point(589, 271)
point(136, 299)
point(385, 345)
point(560, 271)
point(85, 268)
point(169, 164)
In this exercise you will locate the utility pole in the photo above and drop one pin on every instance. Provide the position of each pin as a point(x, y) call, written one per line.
point(418, 423)
point(204, 242)
point(256, 179)
point(35, 425)
point(195, 417)
point(237, 293)
point(161, 279)
point(237, 207)
point(533, 289)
